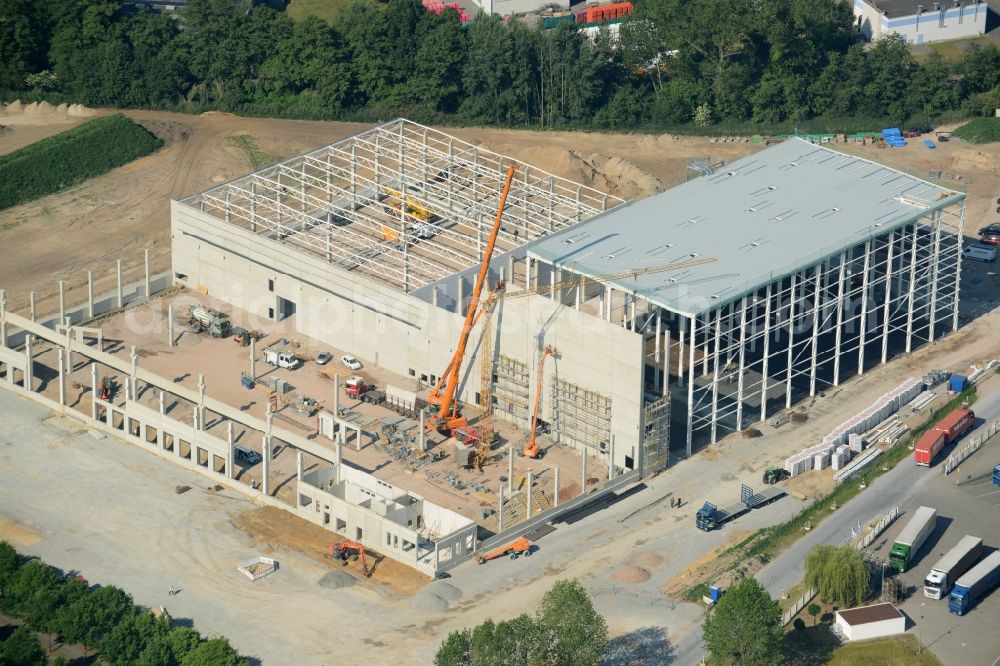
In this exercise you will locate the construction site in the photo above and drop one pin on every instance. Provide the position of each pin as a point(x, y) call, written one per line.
point(425, 346)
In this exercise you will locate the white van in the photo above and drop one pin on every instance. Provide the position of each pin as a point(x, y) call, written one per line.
point(980, 253)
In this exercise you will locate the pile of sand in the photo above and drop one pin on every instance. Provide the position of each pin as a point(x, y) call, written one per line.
point(31, 108)
point(630, 574)
point(79, 111)
point(335, 579)
point(44, 108)
point(14, 107)
point(615, 175)
point(647, 560)
point(446, 591)
point(426, 601)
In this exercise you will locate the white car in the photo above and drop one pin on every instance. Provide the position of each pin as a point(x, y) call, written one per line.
point(350, 362)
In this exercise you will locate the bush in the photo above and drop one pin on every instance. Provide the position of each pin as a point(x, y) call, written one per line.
point(22, 649)
point(65, 159)
point(799, 624)
point(980, 130)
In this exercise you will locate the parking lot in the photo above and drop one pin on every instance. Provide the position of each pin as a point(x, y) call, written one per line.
point(971, 508)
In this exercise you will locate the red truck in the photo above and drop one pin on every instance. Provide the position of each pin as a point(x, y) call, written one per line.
point(946, 431)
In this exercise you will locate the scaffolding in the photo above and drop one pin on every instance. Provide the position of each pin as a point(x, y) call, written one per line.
point(511, 392)
point(402, 203)
point(655, 437)
point(581, 417)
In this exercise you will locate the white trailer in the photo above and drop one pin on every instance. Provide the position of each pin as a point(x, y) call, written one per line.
point(953, 564)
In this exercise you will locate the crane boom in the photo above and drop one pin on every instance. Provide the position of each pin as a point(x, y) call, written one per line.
point(532, 449)
point(442, 395)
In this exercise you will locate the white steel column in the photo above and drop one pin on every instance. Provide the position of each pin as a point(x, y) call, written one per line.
point(767, 351)
point(888, 297)
point(838, 334)
point(715, 372)
point(739, 379)
point(666, 361)
point(935, 270)
point(958, 265)
point(690, 415)
point(680, 352)
point(913, 291)
point(863, 320)
point(791, 343)
point(656, 354)
point(817, 300)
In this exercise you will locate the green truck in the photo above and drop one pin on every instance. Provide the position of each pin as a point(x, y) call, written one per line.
point(913, 536)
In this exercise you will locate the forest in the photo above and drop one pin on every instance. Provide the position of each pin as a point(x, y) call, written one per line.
point(679, 65)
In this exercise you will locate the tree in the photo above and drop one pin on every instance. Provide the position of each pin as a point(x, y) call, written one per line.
point(455, 650)
point(93, 616)
point(578, 633)
point(814, 610)
point(127, 641)
point(838, 573)
point(214, 652)
point(22, 649)
point(744, 627)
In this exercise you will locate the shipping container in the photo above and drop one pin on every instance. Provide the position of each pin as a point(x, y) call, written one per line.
point(928, 446)
point(956, 424)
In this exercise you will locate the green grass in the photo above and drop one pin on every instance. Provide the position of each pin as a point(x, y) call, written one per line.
point(324, 9)
point(952, 49)
point(897, 650)
point(980, 130)
point(258, 158)
point(63, 160)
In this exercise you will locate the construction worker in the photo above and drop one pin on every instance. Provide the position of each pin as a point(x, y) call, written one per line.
point(172, 592)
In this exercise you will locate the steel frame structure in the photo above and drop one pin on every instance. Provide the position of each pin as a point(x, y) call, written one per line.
point(809, 330)
point(330, 203)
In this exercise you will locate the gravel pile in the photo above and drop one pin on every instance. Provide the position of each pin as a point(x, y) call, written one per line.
point(630, 574)
point(647, 560)
point(334, 579)
point(446, 591)
point(428, 602)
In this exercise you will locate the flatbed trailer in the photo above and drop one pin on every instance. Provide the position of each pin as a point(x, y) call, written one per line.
point(757, 500)
point(710, 517)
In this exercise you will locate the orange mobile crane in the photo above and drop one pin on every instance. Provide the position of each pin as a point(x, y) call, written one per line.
point(531, 449)
point(343, 551)
point(445, 416)
point(514, 548)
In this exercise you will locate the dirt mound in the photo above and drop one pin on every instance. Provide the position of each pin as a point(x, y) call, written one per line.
point(974, 160)
point(80, 111)
point(630, 574)
point(14, 107)
point(335, 579)
point(615, 175)
point(63, 108)
point(647, 560)
point(31, 108)
point(45, 107)
point(428, 602)
point(446, 591)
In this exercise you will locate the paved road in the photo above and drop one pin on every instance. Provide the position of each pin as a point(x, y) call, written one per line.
point(895, 488)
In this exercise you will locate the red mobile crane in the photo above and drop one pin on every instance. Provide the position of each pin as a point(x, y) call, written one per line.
point(446, 417)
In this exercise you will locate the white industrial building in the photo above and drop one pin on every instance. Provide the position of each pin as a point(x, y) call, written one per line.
point(921, 21)
point(710, 306)
point(858, 624)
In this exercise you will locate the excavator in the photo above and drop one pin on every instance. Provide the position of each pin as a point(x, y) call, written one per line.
point(514, 548)
point(531, 449)
point(346, 550)
point(445, 416)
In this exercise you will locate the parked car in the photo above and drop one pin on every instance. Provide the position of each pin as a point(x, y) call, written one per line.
point(990, 230)
point(350, 362)
point(980, 253)
point(323, 358)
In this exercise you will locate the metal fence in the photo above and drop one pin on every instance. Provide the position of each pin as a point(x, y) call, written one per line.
point(976, 443)
point(798, 606)
point(878, 528)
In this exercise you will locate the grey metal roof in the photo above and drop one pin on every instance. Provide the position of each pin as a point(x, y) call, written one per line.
point(899, 8)
point(762, 217)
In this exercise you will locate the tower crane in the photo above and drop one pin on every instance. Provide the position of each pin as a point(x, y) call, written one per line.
point(442, 399)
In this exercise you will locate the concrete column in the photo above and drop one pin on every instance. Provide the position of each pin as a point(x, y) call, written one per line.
point(817, 302)
point(231, 440)
point(690, 387)
point(422, 435)
point(145, 260)
point(887, 302)
point(434, 296)
point(90, 294)
point(121, 293)
point(170, 325)
point(680, 352)
point(791, 344)
point(656, 353)
point(62, 381)
point(266, 471)
point(31, 305)
point(510, 269)
point(134, 357)
point(62, 300)
point(338, 460)
point(500, 509)
point(459, 296)
point(510, 470)
point(583, 471)
point(527, 273)
point(935, 273)
point(160, 435)
point(3, 321)
point(253, 358)
point(298, 466)
point(194, 419)
point(715, 372)
point(528, 491)
point(742, 362)
point(611, 459)
point(93, 392)
point(201, 401)
point(555, 493)
point(336, 399)
point(912, 290)
point(29, 364)
point(666, 362)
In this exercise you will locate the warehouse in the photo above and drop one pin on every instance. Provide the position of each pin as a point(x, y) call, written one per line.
point(921, 21)
point(707, 307)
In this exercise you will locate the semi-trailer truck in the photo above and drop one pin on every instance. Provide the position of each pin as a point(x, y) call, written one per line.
point(710, 517)
point(913, 536)
point(951, 566)
point(947, 430)
point(975, 584)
